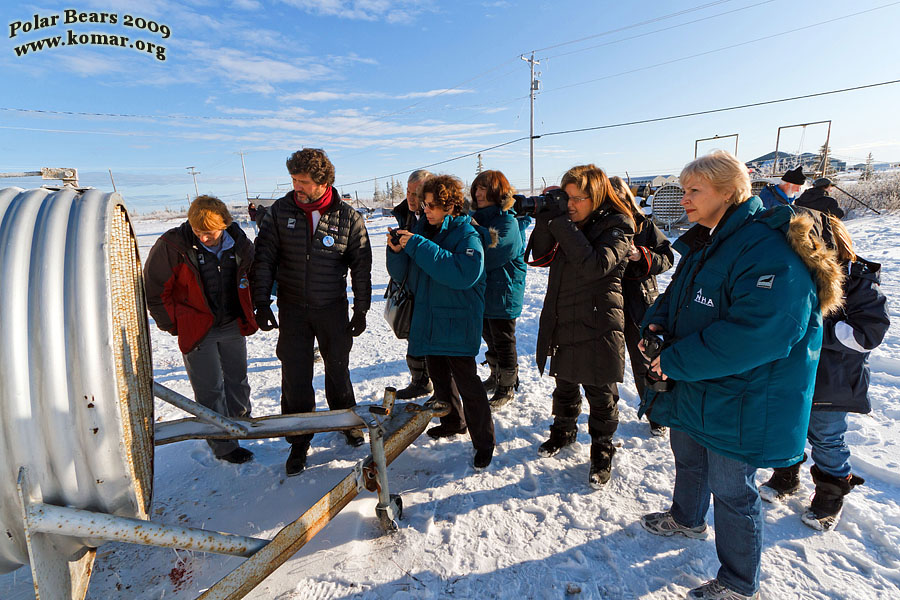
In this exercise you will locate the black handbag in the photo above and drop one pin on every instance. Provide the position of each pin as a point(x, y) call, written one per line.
point(398, 307)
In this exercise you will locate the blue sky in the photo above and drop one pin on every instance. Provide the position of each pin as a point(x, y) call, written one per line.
point(386, 86)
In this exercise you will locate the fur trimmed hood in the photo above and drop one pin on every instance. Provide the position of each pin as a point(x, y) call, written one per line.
point(809, 236)
point(808, 239)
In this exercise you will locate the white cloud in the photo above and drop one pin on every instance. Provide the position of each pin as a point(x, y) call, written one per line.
point(329, 96)
point(246, 4)
point(392, 11)
point(90, 64)
point(255, 72)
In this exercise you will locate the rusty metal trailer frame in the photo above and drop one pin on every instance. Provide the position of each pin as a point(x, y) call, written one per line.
point(392, 428)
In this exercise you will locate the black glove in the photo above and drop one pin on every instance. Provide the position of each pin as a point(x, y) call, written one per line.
point(265, 318)
point(549, 213)
point(358, 323)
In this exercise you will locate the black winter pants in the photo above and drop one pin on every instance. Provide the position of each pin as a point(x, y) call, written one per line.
point(299, 329)
point(604, 411)
point(474, 411)
point(500, 336)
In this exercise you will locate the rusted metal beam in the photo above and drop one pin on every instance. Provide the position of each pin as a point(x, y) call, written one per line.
point(407, 423)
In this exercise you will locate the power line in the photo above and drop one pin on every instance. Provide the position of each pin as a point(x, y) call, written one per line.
point(663, 29)
point(634, 25)
point(718, 110)
point(381, 115)
point(637, 122)
point(791, 31)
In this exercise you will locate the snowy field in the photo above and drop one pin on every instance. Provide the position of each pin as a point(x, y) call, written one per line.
point(527, 527)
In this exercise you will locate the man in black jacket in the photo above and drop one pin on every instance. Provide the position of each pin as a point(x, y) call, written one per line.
point(817, 197)
point(307, 242)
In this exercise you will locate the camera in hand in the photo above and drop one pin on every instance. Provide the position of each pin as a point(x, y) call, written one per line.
point(654, 343)
point(553, 201)
point(395, 237)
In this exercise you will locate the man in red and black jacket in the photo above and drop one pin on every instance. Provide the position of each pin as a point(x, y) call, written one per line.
point(198, 288)
point(307, 242)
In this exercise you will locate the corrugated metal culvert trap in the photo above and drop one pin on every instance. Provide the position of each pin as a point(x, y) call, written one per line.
point(76, 403)
point(757, 185)
point(667, 209)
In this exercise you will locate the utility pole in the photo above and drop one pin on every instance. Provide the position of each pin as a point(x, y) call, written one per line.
point(480, 167)
point(244, 170)
point(194, 173)
point(535, 86)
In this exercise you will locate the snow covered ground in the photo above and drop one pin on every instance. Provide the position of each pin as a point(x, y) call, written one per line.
point(527, 527)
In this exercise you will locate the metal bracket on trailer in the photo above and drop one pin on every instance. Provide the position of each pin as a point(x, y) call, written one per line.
point(52, 530)
point(407, 422)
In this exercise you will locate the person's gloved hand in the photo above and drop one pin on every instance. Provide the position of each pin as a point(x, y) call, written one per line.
point(358, 323)
point(265, 318)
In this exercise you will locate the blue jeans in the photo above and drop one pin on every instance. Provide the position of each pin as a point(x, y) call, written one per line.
point(826, 436)
point(738, 511)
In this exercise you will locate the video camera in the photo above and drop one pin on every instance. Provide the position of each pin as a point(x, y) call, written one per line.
point(654, 343)
point(551, 201)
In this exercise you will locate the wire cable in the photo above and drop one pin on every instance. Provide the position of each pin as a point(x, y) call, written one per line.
point(637, 122)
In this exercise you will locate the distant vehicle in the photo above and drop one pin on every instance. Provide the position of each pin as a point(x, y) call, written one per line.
point(346, 197)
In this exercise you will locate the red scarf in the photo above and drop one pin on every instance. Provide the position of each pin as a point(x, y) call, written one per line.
point(310, 207)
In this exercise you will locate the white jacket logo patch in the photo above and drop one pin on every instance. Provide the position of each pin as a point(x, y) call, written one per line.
point(701, 299)
point(765, 282)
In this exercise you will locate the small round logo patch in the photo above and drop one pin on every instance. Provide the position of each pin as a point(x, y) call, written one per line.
point(328, 241)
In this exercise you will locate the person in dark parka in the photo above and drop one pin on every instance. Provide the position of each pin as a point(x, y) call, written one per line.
point(650, 255)
point(408, 214)
point(817, 198)
point(742, 320)
point(842, 385)
point(444, 260)
point(196, 280)
point(495, 220)
point(582, 322)
point(308, 241)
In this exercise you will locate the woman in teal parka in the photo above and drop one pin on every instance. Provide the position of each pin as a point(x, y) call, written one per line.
point(742, 318)
point(444, 258)
point(504, 265)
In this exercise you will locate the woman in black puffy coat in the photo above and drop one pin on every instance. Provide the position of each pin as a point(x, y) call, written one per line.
point(650, 255)
point(842, 386)
point(586, 246)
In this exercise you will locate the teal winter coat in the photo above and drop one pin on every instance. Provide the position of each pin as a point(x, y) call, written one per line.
point(446, 276)
point(504, 262)
point(745, 331)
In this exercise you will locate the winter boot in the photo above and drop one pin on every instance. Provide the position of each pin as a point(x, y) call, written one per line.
point(354, 438)
point(443, 431)
point(507, 384)
point(296, 461)
point(483, 458)
point(601, 464)
point(783, 482)
point(559, 439)
point(828, 500)
point(490, 384)
point(420, 384)
point(657, 430)
point(713, 590)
